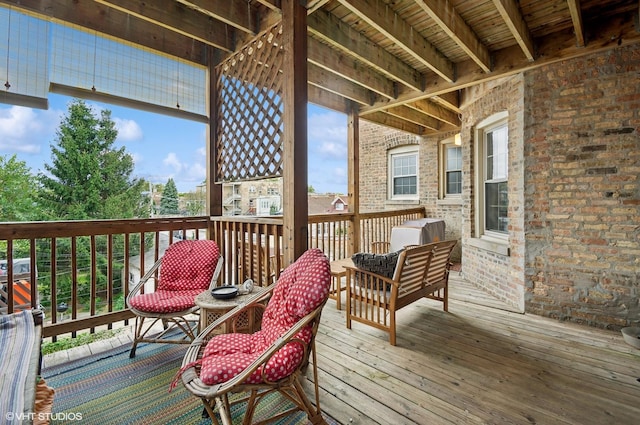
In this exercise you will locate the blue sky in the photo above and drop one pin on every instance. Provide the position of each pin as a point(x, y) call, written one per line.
point(164, 147)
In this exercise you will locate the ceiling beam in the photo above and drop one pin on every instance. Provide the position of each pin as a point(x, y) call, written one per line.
point(331, 82)
point(436, 111)
point(450, 100)
point(313, 5)
point(395, 122)
point(176, 17)
point(443, 13)
point(114, 23)
point(348, 68)
point(326, 99)
point(236, 14)
point(380, 16)
point(510, 12)
point(556, 47)
point(416, 117)
point(339, 35)
point(576, 17)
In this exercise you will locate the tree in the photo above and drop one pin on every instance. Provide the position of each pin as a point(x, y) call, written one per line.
point(89, 178)
point(195, 203)
point(310, 189)
point(18, 193)
point(169, 199)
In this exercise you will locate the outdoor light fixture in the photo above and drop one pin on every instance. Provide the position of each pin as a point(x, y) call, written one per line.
point(457, 139)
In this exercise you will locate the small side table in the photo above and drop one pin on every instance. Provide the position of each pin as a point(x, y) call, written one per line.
point(211, 309)
point(338, 271)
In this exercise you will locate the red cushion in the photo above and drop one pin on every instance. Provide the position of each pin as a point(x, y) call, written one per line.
point(186, 270)
point(301, 288)
point(164, 302)
point(188, 264)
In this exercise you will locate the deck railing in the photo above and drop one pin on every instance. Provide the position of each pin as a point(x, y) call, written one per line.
point(83, 269)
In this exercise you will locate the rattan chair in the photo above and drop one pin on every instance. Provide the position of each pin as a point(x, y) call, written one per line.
point(226, 369)
point(186, 269)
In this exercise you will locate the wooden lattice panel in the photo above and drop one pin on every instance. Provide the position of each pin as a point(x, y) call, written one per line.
point(250, 107)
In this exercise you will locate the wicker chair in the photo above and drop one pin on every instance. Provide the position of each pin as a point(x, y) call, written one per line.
point(186, 269)
point(421, 271)
point(270, 359)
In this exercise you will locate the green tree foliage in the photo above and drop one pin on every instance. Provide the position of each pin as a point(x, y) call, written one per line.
point(89, 178)
point(310, 189)
point(169, 199)
point(18, 193)
point(195, 203)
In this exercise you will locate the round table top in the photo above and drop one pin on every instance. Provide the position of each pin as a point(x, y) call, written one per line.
point(206, 300)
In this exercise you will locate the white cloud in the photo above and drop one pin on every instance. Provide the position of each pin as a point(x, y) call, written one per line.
point(24, 130)
point(328, 134)
point(196, 173)
point(128, 130)
point(172, 161)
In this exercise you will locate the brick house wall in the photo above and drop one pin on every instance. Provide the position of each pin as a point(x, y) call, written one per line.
point(499, 270)
point(375, 143)
point(583, 189)
point(574, 188)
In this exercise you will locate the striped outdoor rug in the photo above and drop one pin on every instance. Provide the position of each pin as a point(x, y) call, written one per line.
point(111, 388)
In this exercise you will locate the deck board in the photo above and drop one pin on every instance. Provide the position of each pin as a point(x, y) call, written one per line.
point(481, 362)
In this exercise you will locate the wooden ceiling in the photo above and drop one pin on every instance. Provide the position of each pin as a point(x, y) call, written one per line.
point(402, 62)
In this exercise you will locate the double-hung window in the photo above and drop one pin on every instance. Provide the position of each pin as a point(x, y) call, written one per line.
point(451, 170)
point(493, 177)
point(403, 173)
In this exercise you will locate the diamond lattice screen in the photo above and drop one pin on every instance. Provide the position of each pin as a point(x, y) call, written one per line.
point(250, 107)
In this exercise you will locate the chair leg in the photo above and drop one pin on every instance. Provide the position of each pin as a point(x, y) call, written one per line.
point(137, 336)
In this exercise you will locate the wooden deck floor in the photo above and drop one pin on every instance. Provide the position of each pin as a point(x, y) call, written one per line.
point(476, 365)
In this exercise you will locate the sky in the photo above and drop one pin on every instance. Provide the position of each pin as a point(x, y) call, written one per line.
point(165, 147)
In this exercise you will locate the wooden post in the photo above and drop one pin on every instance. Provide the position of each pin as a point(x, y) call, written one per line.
point(294, 67)
point(214, 191)
point(353, 183)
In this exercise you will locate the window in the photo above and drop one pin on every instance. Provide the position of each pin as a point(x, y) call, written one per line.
point(403, 170)
point(493, 174)
point(451, 170)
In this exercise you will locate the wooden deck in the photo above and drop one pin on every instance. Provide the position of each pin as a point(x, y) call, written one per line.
point(476, 365)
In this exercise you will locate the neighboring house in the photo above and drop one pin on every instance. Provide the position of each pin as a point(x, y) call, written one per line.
point(327, 203)
point(264, 197)
point(542, 191)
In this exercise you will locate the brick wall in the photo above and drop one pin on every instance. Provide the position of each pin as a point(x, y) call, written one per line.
point(583, 189)
point(499, 274)
point(574, 188)
point(375, 142)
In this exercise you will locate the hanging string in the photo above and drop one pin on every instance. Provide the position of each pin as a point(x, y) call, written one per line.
point(6, 84)
point(95, 43)
point(177, 84)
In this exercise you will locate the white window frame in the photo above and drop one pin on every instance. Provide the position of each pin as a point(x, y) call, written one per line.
point(403, 151)
point(444, 146)
point(494, 122)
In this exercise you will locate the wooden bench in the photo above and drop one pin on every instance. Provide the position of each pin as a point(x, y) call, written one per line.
point(421, 271)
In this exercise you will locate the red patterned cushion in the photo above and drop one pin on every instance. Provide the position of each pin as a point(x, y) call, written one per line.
point(164, 302)
point(186, 270)
point(301, 288)
point(188, 264)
